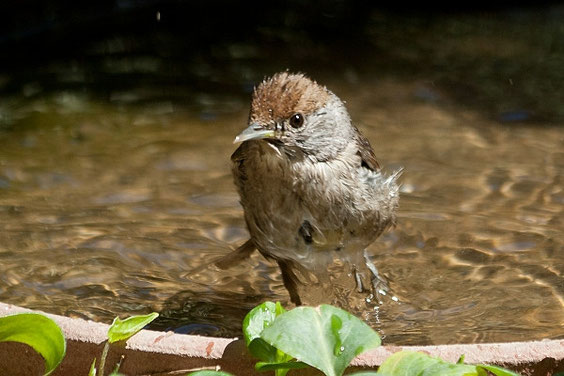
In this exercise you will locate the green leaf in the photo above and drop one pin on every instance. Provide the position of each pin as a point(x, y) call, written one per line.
point(482, 372)
point(498, 371)
point(265, 366)
point(406, 363)
point(259, 318)
point(123, 330)
point(209, 373)
point(262, 350)
point(92, 371)
point(115, 372)
point(364, 373)
point(325, 337)
point(37, 331)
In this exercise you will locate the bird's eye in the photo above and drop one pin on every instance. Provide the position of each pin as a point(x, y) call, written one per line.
point(297, 120)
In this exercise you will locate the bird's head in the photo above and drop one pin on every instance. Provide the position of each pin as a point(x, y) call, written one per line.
point(292, 111)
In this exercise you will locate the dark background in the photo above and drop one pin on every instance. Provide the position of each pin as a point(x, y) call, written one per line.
point(511, 69)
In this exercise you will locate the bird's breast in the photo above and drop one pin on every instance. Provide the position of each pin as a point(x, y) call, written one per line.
point(298, 207)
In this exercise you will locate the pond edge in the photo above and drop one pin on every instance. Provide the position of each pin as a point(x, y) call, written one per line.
point(150, 351)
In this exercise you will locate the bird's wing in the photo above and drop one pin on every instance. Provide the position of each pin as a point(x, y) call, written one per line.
point(238, 165)
point(366, 153)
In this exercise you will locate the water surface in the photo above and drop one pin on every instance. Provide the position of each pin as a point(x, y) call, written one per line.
point(107, 202)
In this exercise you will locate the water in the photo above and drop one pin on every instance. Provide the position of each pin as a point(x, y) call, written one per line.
point(107, 202)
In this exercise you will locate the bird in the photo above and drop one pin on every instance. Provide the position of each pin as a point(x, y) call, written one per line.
point(309, 182)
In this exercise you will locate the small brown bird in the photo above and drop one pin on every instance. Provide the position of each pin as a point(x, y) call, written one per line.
point(308, 180)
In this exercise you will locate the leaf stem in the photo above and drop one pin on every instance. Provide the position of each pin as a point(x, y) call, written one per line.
point(103, 358)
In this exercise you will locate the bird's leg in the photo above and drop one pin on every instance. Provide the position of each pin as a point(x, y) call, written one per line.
point(358, 275)
point(289, 279)
point(364, 271)
point(379, 285)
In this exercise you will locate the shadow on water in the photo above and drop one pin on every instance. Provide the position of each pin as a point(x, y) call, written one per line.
point(116, 127)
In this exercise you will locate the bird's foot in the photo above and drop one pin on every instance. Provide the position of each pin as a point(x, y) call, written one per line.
point(378, 285)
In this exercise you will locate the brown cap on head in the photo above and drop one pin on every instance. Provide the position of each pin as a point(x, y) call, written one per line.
point(285, 94)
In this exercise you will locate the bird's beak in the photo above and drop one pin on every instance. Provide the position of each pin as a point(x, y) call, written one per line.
point(254, 132)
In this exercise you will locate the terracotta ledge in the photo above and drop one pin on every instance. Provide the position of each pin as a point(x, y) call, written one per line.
point(155, 353)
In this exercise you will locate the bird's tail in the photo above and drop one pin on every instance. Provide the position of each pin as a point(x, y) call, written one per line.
point(229, 260)
point(235, 257)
